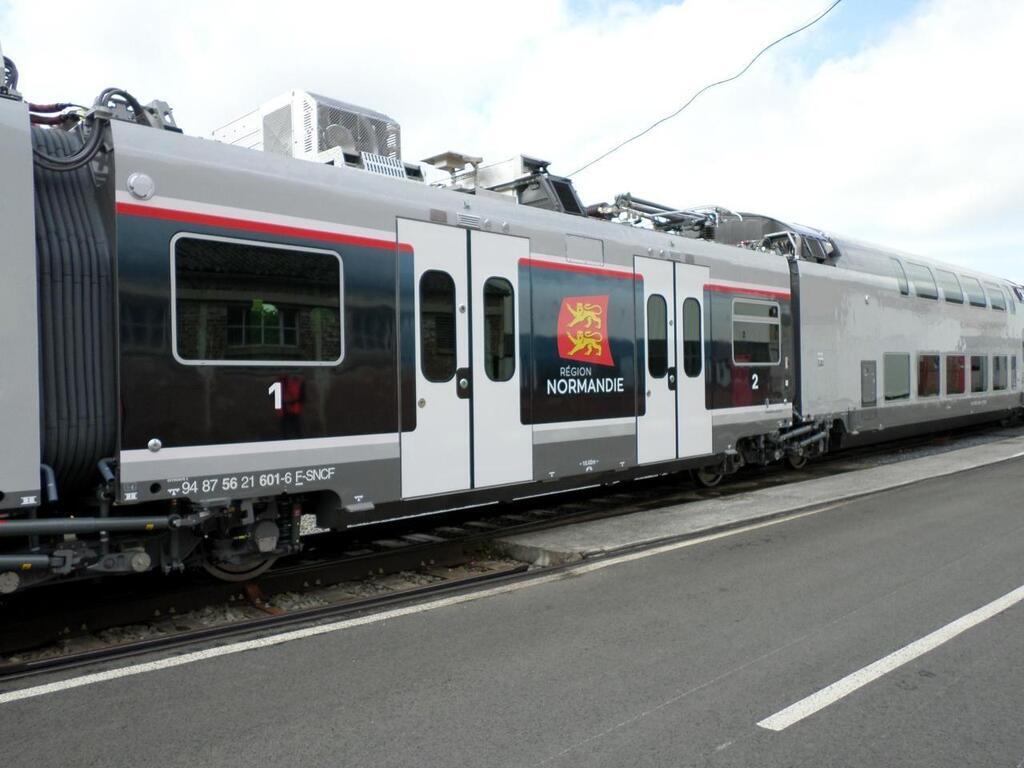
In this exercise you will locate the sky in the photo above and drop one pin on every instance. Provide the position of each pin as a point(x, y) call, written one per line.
point(898, 122)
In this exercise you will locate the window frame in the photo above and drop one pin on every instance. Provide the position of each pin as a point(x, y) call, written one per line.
point(455, 325)
point(270, 246)
point(921, 356)
point(992, 290)
point(1005, 365)
point(965, 282)
point(963, 370)
point(955, 281)
point(901, 276)
point(754, 319)
point(886, 398)
point(699, 341)
point(934, 295)
point(984, 371)
point(486, 335)
point(649, 339)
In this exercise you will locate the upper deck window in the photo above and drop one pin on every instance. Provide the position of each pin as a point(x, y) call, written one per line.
point(996, 296)
point(924, 283)
point(238, 302)
point(950, 286)
point(756, 332)
point(901, 276)
point(975, 295)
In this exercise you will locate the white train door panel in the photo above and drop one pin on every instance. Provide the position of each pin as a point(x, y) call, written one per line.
point(502, 444)
point(694, 416)
point(656, 428)
point(436, 454)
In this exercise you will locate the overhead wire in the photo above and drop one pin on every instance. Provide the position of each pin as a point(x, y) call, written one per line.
point(706, 88)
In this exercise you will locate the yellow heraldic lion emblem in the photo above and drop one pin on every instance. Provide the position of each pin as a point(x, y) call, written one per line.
point(587, 342)
point(584, 334)
point(587, 313)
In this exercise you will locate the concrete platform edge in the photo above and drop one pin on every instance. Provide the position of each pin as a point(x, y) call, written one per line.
point(519, 548)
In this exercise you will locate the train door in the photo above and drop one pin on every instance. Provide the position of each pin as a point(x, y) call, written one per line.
point(694, 416)
point(502, 444)
point(436, 453)
point(656, 428)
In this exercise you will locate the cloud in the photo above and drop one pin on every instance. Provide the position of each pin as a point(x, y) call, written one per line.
point(903, 129)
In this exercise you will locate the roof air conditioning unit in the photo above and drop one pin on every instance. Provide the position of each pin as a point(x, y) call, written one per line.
point(312, 127)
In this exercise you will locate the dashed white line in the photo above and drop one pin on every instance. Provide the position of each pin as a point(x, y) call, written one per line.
point(806, 707)
point(375, 618)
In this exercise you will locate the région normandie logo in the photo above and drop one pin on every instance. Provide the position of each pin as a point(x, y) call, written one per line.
point(583, 330)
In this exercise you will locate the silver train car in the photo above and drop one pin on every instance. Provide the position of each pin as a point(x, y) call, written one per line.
point(211, 347)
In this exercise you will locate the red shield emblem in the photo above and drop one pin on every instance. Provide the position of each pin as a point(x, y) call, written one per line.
point(583, 330)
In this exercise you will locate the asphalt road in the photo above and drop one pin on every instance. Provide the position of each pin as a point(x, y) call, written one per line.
point(667, 660)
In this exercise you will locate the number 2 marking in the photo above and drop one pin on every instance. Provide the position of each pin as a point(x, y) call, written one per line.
point(276, 391)
point(753, 379)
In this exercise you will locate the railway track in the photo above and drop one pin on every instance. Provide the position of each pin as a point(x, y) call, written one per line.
point(440, 554)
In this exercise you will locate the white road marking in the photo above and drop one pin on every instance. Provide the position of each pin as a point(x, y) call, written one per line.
point(794, 713)
point(375, 618)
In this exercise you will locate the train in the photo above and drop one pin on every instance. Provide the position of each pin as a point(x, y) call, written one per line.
point(214, 347)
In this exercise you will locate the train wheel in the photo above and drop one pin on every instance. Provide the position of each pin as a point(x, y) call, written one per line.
point(244, 571)
point(796, 461)
point(707, 477)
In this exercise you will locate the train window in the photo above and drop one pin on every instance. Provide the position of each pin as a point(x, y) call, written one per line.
point(499, 329)
point(975, 295)
point(237, 302)
point(927, 375)
point(437, 325)
point(924, 283)
point(901, 276)
point(693, 360)
point(1012, 304)
point(756, 333)
point(897, 377)
point(996, 296)
point(950, 286)
point(979, 373)
point(1000, 374)
point(955, 379)
point(657, 336)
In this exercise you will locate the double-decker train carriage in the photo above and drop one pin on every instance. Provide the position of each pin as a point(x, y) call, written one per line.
point(211, 346)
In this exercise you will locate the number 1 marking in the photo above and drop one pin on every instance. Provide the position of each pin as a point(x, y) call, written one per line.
point(276, 390)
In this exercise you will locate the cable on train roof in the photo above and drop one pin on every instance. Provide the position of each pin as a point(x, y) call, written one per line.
point(708, 87)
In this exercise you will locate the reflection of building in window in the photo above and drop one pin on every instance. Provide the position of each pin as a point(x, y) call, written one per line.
point(756, 333)
point(143, 326)
point(238, 301)
point(261, 324)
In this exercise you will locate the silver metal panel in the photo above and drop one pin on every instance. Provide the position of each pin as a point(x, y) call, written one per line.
point(848, 317)
point(544, 434)
point(579, 457)
point(188, 461)
point(868, 383)
point(19, 338)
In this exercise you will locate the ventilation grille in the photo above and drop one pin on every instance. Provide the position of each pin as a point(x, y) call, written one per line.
point(384, 165)
point(277, 131)
point(307, 126)
point(355, 132)
point(468, 220)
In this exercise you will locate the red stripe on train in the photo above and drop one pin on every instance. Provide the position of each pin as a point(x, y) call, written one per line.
point(261, 227)
point(764, 293)
point(564, 267)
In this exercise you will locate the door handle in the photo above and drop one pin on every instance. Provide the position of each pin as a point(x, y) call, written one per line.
point(464, 383)
point(672, 378)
